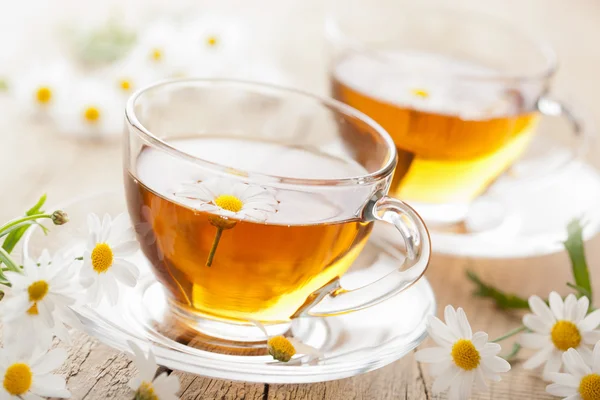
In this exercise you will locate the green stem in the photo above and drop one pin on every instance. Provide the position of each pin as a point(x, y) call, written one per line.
point(513, 353)
point(509, 334)
point(213, 249)
point(17, 221)
point(8, 261)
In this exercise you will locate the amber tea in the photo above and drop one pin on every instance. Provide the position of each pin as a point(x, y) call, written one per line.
point(259, 270)
point(453, 138)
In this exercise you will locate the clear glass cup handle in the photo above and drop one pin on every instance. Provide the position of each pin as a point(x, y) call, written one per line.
point(333, 299)
point(579, 124)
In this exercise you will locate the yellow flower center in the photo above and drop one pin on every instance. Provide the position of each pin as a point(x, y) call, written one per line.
point(37, 290)
point(33, 310)
point(212, 41)
point(465, 355)
point(102, 257)
point(91, 114)
point(17, 379)
point(43, 95)
point(589, 387)
point(422, 93)
point(229, 202)
point(565, 335)
point(145, 392)
point(125, 85)
point(156, 55)
point(280, 348)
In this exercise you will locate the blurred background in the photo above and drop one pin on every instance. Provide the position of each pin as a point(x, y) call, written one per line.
point(97, 53)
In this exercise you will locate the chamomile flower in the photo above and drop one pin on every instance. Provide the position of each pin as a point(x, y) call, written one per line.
point(283, 348)
point(37, 305)
point(217, 44)
point(581, 380)
point(92, 109)
point(104, 260)
point(462, 358)
point(27, 376)
point(231, 199)
point(42, 87)
point(562, 326)
point(162, 49)
point(163, 387)
point(130, 75)
point(228, 199)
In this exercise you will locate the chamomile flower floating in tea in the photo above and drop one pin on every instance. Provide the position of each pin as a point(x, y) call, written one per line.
point(146, 386)
point(28, 376)
point(581, 381)
point(230, 201)
point(562, 326)
point(282, 348)
point(37, 304)
point(104, 260)
point(462, 358)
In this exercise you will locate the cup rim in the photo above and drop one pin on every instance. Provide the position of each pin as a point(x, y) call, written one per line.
point(151, 139)
point(334, 31)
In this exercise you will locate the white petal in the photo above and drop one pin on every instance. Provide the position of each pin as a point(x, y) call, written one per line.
point(440, 333)
point(540, 309)
point(166, 385)
point(461, 389)
point(570, 307)
point(586, 354)
point(451, 319)
point(556, 305)
point(432, 355)
point(134, 383)
point(539, 358)
point(441, 367)
point(496, 364)
point(50, 386)
point(596, 358)
point(559, 390)
point(93, 223)
point(582, 308)
point(49, 362)
point(27, 396)
point(537, 324)
point(590, 337)
point(123, 274)
point(552, 365)
point(490, 349)
point(574, 364)
point(465, 327)
point(479, 339)
point(590, 322)
point(18, 280)
point(564, 379)
point(480, 383)
point(126, 248)
point(443, 381)
point(534, 340)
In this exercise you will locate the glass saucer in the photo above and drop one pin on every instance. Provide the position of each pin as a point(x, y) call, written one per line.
point(525, 221)
point(351, 344)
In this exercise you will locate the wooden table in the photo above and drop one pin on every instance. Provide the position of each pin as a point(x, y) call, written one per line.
point(65, 168)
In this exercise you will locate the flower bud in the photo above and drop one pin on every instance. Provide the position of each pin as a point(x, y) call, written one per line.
point(60, 217)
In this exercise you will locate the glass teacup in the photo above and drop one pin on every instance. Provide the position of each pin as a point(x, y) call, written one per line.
point(251, 201)
point(460, 93)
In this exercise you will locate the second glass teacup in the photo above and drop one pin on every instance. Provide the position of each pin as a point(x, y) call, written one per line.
point(251, 201)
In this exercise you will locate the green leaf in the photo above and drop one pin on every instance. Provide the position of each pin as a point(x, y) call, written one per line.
point(13, 237)
point(576, 251)
point(502, 300)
